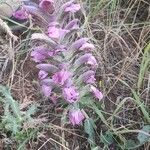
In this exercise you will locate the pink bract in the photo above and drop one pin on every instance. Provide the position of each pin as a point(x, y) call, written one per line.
point(96, 92)
point(21, 14)
point(76, 117)
point(70, 94)
point(61, 77)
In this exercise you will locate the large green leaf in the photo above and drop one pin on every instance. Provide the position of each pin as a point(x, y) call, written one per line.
point(142, 136)
point(86, 101)
point(89, 127)
point(107, 138)
point(132, 144)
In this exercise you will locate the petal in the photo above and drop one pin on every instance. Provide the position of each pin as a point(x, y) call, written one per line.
point(54, 32)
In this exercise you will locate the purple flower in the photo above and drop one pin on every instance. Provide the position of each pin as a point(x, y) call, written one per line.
point(61, 77)
point(42, 74)
point(87, 59)
point(21, 14)
point(70, 94)
point(47, 5)
point(73, 8)
point(46, 90)
point(39, 54)
point(47, 68)
point(96, 92)
point(76, 117)
point(87, 47)
point(88, 77)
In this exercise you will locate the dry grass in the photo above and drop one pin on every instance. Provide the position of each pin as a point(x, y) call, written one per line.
point(121, 31)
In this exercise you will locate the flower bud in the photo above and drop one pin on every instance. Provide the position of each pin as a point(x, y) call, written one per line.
point(96, 92)
point(47, 6)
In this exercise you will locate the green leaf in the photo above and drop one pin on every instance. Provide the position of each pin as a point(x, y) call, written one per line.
point(107, 138)
point(144, 65)
point(144, 137)
point(131, 144)
point(96, 148)
point(89, 127)
point(86, 101)
point(31, 111)
point(14, 105)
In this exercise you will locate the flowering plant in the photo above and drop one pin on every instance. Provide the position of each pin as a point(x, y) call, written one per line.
point(65, 61)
